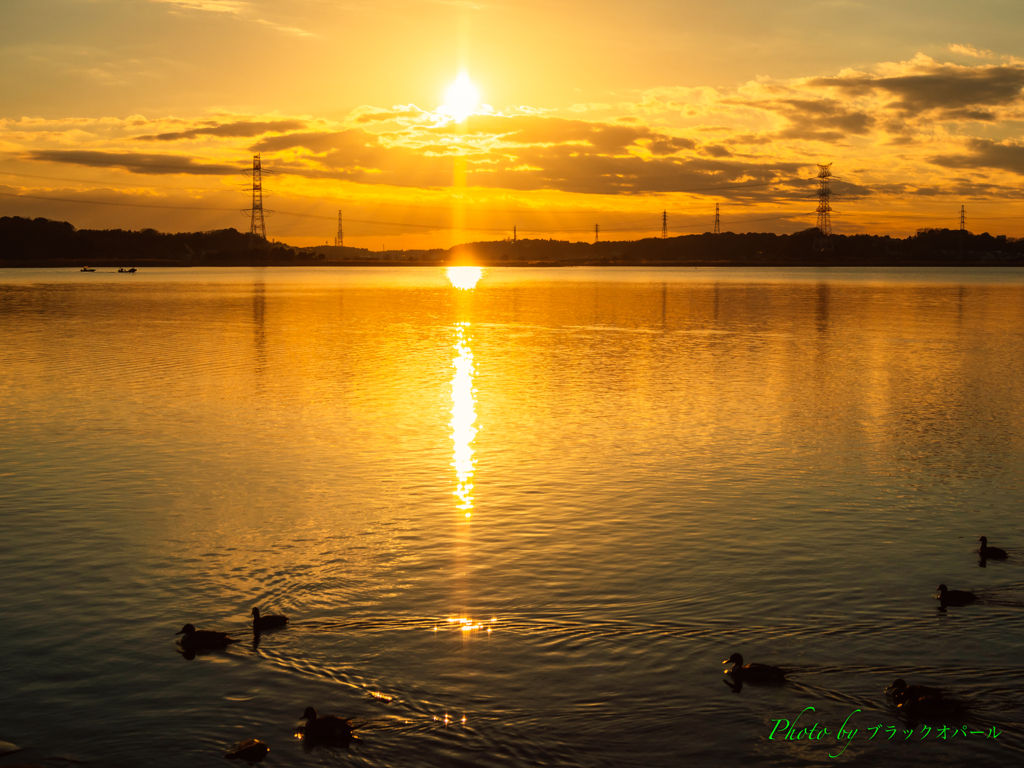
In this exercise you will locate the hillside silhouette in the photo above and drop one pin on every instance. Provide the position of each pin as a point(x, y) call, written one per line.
point(41, 242)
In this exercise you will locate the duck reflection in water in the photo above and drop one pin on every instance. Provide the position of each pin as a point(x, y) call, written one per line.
point(251, 751)
point(931, 708)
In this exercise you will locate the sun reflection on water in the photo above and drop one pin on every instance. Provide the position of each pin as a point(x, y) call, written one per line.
point(464, 278)
point(463, 419)
point(466, 624)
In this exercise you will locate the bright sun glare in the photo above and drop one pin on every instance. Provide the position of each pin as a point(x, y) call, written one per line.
point(464, 278)
point(461, 98)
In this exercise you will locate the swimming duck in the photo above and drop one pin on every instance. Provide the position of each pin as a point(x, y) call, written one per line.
point(955, 596)
point(193, 638)
point(250, 750)
point(326, 728)
point(266, 622)
point(901, 692)
point(753, 673)
point(994, 552)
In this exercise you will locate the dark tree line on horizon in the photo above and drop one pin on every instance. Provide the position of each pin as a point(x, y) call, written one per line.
point(42, 242)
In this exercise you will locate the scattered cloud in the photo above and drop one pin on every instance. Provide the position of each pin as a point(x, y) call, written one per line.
point(716, 150)
point(373, 115)
point(245, 128)
point(819, 119)
point(670, 146)
point(985, 153)
point(284, 28)
point(235, 7)
point(522, 153)
point(241, 9)
point(927, 86)
point(135, 162)
point(970, 50)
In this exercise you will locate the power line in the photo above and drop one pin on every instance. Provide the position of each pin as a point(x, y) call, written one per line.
point(962, 228)
point(881, 214)
point(128, 205)
point(354, 203)
point(94, 181)
point(372, 222)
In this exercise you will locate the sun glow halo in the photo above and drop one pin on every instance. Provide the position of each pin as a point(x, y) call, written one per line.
point(464, 278)
point(461, 98)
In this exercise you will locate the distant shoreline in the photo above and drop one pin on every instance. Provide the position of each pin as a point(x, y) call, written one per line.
point(140, 264)
point(41, 243)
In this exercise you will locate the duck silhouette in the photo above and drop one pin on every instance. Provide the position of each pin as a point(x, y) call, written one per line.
point(326, 729)
point(192, 638)
point(995, 553)
point(955, 596)
point(273, 621)
point(900, 691)
point(753, 673)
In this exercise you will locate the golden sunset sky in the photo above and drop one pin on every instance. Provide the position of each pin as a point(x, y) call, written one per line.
point(143, 113)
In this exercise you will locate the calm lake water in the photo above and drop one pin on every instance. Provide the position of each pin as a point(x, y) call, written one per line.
point(515, 522)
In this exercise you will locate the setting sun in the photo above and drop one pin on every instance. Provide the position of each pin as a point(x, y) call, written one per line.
point(464, 278)
point(461, 98)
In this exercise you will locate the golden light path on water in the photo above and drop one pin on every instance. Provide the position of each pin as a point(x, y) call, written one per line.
point(464, 429)
point(463, 402)
point(463, 418)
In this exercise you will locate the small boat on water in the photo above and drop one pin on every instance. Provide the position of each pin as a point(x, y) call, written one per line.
point(86, 269)
point(131, 271)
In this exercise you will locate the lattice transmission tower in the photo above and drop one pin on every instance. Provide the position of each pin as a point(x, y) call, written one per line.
point(664, 224)
point(597, 232)
point(257, 227)
point(963, 228)
point(718, 223)
point(339, 241)
point(824, 242)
